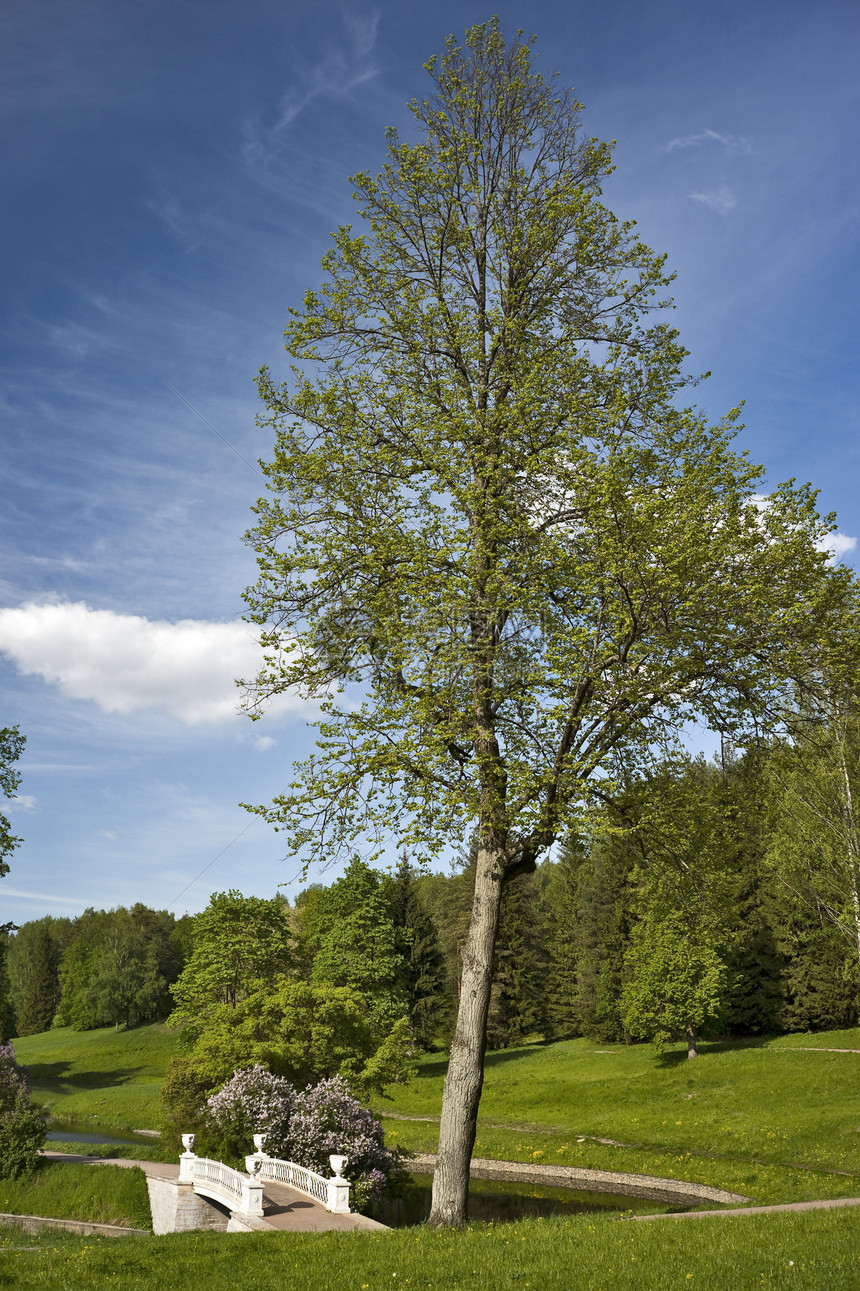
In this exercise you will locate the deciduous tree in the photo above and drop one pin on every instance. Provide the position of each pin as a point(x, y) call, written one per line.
point(491, 517)
point(239, 942)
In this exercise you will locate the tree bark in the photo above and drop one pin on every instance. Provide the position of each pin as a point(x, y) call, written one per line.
point(692, 1051)
point(463, 1084)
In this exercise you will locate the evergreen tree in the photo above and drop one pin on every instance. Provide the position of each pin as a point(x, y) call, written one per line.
point(600, 935)
point(7, 1009)
point(26, 963)
point(517, 1006)
point(562, 1005)
point(357, 943)
point(416, 940)
point(449, 899)
point(39, 1002)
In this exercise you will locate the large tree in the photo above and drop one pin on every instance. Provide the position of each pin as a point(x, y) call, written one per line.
point(490, 521)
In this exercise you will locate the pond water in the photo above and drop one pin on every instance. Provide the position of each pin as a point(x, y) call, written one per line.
point(84, 1132)
point(502, 1201)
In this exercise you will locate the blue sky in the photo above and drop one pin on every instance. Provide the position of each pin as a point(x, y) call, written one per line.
point(171, 174)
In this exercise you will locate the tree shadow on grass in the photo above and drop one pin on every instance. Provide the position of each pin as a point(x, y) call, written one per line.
point(57, 1077)
point(678, 1057)
point(495, 1058)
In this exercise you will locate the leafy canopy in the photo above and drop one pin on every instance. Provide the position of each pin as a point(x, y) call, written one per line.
point(495, 545)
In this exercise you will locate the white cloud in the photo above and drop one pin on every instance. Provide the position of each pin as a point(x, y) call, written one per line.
point(731, 142)
point(721, 200)
point(124, 662)
point(264, 743)
point(837, 544)
point(21, 802)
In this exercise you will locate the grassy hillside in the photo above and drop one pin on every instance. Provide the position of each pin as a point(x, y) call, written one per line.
point(775, 1121)
point(107, 1078)
point(66, 1190)
point(770, 1120)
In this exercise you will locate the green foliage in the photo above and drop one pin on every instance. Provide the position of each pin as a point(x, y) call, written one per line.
point(486, 506)
point(237, 941)
point(111, 970)
point(22, 1126)
point(421, 968)
point(449, 897)
point(517, 1007)
point(677, 984)
point(39, 1002)
point(814, 843)
point(356, 944)
point(305, 1031)
point(33, 958)
point(11, 746)
point(599, 916)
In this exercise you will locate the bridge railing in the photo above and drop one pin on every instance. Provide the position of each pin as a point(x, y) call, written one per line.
point(239, 1191)
point(332, 1193)
point(244, 1192)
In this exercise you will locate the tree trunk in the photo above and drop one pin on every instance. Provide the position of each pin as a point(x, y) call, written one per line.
point(692, 1051)
point(465, 1078)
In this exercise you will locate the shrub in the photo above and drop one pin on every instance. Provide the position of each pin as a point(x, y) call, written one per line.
point(252, 1102)
point(304, 1127)
point(22, 1126)
point(327, 1119)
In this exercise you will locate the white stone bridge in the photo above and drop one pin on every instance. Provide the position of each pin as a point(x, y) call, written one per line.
point(269, 1194)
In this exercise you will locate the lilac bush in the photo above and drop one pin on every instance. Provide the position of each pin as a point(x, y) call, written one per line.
point(253, 1101)
point(327, 1119)
point(304, 1127)
point(13, 1079)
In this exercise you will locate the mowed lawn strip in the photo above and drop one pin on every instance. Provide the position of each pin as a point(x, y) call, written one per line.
point(814, 1249)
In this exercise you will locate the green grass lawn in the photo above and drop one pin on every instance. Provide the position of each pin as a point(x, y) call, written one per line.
point(66, 1190)
point(110, 1079)
point(742, 1116)
point(775, 1121)
point(809, 1250)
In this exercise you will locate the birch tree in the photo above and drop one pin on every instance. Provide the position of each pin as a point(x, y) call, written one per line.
point(496, 547)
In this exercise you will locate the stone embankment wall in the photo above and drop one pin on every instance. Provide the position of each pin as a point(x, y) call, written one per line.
point(674, 1192)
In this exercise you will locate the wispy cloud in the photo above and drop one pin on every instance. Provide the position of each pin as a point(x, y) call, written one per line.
point(732, 143)
point(268, 149)
point(722, 200)
point(21, 802)
point(43, 898)
point(124, 663)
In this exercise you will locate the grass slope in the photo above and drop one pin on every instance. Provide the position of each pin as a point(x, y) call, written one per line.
point(770, 1120)
point(775, 1120)
point(67, 1190)
point(809, 1250)
point(106, 1077)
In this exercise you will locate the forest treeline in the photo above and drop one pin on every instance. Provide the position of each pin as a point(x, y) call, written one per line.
point(720, 899)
